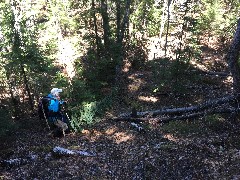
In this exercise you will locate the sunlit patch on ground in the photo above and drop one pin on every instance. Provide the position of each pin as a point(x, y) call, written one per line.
point(170, 137)
point(111, 130)
point(199, 66)
point(148, 99)
point(122, 137)
point(95, 135)
point(228, 80)
point(136, 82)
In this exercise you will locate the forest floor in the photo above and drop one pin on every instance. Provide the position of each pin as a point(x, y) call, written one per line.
point(203, 148)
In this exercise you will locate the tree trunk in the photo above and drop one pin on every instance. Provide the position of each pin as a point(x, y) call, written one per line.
point(168, 19)
point(118, 15)
point(182, 31)
point(232, 57)
point(26, 86)
point(163, 19)
point(106, 27)
point(120, 38)
point(95, 27)
point(125, 20)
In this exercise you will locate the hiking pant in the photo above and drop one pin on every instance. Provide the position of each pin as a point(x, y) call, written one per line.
point(61, 124)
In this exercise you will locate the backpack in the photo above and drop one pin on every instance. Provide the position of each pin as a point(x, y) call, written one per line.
point(43, 111)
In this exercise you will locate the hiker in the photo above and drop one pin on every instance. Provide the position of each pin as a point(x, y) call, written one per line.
point(55, 115)
point(51, 108)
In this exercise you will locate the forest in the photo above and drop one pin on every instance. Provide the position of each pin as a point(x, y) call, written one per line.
point(152, 89)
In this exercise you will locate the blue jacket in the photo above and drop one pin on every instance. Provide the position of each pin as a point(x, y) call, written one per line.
point(54, 104)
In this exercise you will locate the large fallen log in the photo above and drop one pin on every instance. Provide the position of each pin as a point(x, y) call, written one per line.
point(168, 111)
point(216, 106)
point(166, 119)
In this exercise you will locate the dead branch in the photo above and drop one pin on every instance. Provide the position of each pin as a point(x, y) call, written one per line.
point(59, 151)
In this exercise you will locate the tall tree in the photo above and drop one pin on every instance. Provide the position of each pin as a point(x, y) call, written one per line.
point(233, 60)
point(106, 27)
point(168, 22)
point(95, 27)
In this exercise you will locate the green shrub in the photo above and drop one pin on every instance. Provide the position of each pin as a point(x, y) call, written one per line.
point(88, 113)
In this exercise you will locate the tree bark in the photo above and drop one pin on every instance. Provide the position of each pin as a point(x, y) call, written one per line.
point(118, 16)
point(232, 57)
point(163, 19)
point(120, 38)
point(27, 86)
point(168, 19)
point(106, 27)
point(95, 27)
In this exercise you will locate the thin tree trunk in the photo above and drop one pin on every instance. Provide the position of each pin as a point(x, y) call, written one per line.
point(118, 15)
point(125, 20)
point(168, 19)
point(182, 31)
point(163, 18)
point(26, 86)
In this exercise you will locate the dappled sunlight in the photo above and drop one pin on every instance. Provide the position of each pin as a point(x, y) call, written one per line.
point(136, 82)
point(198, 66)
point(111, 133)
point(133, 88)
point(122, 137)
point(171, 137)
point(228, 80)
point(95, 135)
point(111, 130)
point(148, 98)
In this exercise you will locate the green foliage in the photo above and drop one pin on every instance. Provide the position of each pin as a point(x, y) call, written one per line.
point(146, 18)
point(88, 113)
point(21, 48)
point(170, 75)
point(98, 73)
point(83, 115)
point(216, 17)
point(80, 92)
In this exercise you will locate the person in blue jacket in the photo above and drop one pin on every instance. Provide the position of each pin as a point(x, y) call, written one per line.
point(55, 115)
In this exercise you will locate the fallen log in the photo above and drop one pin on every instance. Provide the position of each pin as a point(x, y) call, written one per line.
point(191, 109)
point(59, 151)
point(16, 162)
point(166, 119)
